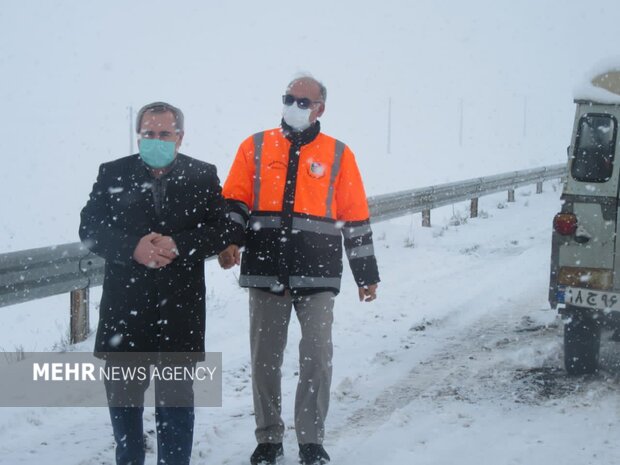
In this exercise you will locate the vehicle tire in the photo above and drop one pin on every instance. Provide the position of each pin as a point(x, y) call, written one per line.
point(582, 343)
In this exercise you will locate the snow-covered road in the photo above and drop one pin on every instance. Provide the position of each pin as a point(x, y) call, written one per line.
point(458, 361)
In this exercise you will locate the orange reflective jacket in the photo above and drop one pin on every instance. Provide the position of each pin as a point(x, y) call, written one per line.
point(297, 199)
point(328, 181)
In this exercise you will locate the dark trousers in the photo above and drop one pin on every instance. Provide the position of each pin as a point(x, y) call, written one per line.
point(175, 425)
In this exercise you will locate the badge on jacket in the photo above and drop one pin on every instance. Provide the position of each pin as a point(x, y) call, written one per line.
point(316, 169)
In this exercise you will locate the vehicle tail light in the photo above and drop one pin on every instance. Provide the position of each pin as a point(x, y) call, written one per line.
point(565, 224)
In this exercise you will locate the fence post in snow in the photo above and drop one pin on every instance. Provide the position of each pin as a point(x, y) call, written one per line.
point(131, 149)
point(389, 127)
point(426, 218)
point(539, 187)
point(474, 208)
point(511, 195)
point(79, 315)
point(461, 123)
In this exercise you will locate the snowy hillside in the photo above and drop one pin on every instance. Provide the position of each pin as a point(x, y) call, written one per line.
point(477, 87)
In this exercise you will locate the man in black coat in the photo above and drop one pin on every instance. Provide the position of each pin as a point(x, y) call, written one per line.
point(154, 217)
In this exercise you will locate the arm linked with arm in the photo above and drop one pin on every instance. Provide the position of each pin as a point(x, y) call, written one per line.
point(239, 189)
point(217, 230)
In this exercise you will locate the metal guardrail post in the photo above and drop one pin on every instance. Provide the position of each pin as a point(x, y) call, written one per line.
point(426, 218)
point(80, 327)
point(474, 208)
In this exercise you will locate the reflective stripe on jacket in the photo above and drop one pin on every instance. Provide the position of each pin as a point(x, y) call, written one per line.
point(297, 200)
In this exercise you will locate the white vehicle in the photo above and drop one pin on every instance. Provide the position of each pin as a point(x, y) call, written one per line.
point(584, 284)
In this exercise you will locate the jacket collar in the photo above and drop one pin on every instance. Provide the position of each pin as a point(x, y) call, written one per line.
point(167, 170)
point(299, 138)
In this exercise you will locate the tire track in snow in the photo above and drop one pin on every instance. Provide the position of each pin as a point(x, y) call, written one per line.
point(466, 369)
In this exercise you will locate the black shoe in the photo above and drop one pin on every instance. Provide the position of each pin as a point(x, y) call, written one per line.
point(267, 453)
point(312, 454)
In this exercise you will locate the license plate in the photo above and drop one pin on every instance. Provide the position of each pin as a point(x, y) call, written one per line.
point(592, 299)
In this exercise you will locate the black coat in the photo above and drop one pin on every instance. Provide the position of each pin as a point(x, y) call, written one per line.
point(144, 309)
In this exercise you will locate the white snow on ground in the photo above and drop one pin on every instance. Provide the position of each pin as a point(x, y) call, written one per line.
point(459, 360)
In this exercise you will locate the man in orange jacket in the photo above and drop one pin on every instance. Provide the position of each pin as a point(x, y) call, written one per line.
point(298, 192)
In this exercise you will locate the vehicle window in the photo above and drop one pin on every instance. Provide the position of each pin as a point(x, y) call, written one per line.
point(593, 157)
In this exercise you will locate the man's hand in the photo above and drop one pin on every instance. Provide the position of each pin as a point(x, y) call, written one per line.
point(152, 255)
point(166, 242)
point(229, 257)
point(368, 293)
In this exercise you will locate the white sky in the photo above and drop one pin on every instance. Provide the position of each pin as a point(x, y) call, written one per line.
point(70, 70)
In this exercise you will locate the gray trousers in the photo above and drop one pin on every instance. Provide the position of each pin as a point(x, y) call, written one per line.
point(269, 318)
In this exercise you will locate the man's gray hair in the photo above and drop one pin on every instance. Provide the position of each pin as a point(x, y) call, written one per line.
point(309, 77)
point(160, 107)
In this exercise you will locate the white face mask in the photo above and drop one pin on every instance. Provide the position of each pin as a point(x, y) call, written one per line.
point(296, 118)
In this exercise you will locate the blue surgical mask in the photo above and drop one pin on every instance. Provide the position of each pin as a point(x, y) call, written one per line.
point(157, 153)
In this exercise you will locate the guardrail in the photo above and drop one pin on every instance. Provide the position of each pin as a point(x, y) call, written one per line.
point(37, 273)
point(386, 206)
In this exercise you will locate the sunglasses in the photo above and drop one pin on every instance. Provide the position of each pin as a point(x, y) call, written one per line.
point(302, 103)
